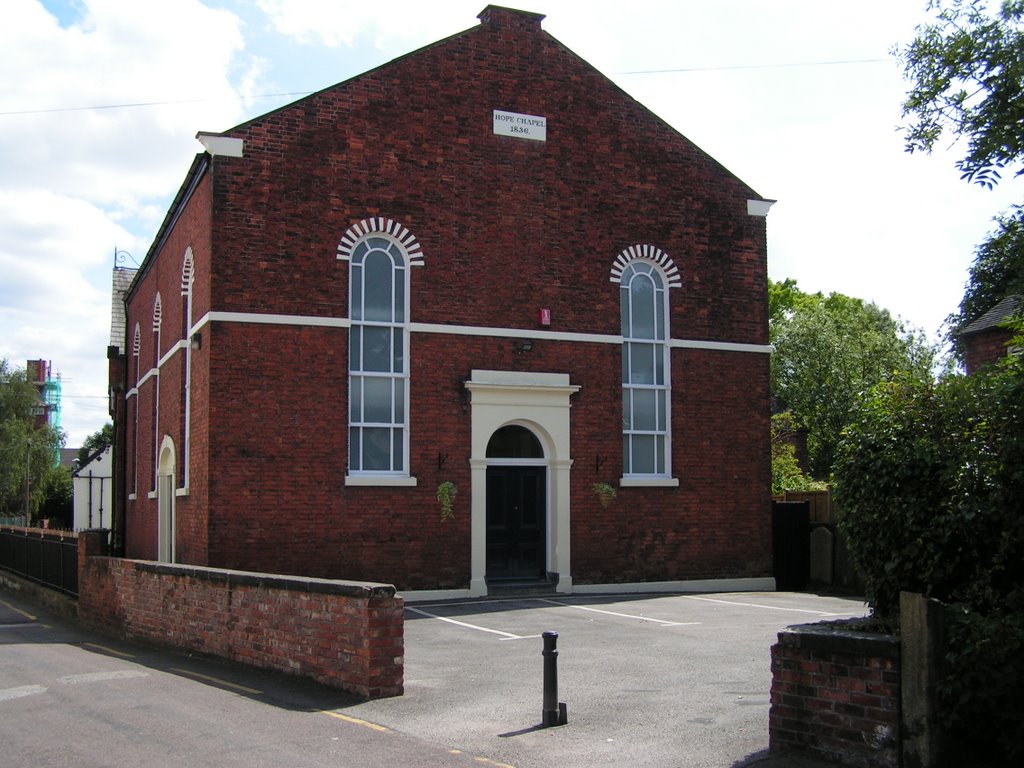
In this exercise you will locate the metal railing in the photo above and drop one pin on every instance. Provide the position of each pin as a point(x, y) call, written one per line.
point(46, 557)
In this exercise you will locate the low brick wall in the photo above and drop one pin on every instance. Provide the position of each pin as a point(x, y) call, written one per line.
point(344, 634)
point(836, 694)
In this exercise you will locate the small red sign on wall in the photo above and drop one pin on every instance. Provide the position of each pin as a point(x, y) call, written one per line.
point(545, 317)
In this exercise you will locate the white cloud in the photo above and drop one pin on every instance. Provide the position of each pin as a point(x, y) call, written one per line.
point(76, 182)
point(120, 52)
point(399, 22)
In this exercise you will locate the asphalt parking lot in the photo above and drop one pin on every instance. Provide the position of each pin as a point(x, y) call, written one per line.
point(655, 680)
point(660, 680)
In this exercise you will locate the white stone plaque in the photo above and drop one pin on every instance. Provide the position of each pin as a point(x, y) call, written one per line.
point(532, 127)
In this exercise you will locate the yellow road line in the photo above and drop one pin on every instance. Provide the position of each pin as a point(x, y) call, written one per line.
point(488, 761)
point(385, 729)
point(356, 721)
point(26, 614)
point(215, 680)
point(106, 649)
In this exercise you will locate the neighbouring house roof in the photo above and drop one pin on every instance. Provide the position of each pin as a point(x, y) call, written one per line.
point(1002, 311)
point(121, 280)
point(95, 457)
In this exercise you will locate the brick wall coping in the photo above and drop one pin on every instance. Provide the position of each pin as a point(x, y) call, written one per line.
point(358, 589)
point(840, 637)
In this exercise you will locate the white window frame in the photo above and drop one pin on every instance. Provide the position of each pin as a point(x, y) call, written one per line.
point(397, 475)
point(188, 276)
point(644, 269)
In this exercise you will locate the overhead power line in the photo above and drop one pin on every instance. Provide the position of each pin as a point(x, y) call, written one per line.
point(134, 105)
point(754, 66)
point(130, 105)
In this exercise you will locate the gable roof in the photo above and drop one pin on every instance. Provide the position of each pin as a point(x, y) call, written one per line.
point(1001, 312)
point(507, 25)
point(511, 29)
point(96, 456)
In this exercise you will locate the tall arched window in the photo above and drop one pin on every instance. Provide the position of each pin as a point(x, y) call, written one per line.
point(188, 276)
point(378, 357)
point(645, 371)
point(157, 323)
point(133, 455)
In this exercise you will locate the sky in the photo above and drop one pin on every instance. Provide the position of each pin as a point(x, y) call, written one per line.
point(100, 102)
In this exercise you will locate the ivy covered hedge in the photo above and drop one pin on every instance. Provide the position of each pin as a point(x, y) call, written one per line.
point(929, 479)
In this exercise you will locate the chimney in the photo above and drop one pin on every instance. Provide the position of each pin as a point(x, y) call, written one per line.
point(498, 17)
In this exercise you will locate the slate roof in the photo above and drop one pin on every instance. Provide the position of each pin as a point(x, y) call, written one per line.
point(121, 280)
point(1004, 310)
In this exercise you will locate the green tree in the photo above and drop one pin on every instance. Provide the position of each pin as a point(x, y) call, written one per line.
point(967, 77)
point(784, 299)
point(829, 350)
point(787, 474)
point(97, 441)
point(929, 478)
point(58, 498)
point(997, 272)
point(22, 444)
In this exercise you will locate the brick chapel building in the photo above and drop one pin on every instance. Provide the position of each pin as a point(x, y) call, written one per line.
point(481, 267)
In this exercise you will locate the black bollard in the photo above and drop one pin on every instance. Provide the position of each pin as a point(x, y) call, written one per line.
point(553, 712)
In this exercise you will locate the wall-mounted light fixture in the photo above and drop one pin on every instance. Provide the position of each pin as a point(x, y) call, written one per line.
point(525, 345)
point(197, 340)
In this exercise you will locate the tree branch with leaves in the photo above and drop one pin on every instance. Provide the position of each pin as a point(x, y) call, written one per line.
point(967, 76)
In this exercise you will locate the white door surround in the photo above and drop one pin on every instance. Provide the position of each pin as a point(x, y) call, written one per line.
point(540, 403)
point(165, 501)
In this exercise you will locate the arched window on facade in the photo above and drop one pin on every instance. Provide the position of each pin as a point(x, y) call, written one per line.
point(646, 387)
point(378, 356)
point(157, 323)
point(187, 279)
point(134, 453)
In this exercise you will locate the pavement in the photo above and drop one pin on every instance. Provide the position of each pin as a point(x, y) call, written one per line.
point(649, 680)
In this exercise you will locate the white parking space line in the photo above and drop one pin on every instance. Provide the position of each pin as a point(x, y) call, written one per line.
point(95, 677)
point(662, 622)
point(504, 635)
point(16, 693)
point(769, 607)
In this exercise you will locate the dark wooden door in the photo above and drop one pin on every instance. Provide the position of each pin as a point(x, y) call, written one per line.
point(516, 522)
point(791, 544)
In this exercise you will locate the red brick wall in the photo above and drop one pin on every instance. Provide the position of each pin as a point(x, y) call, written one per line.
point(836, 694)
point(163, 275)
point(348, 636)
point(984, 347)
point(507, 226)
point(293, 513)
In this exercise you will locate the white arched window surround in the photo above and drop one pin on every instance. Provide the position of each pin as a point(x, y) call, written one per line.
point(157, 325)
point(136, 353)
point(187, 279)
point(380, 254)
point(644, 274)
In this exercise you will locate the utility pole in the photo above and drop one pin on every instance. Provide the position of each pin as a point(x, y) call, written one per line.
point(28, 454)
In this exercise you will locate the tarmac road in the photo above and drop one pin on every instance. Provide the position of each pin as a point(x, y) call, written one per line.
point(69, 698)
point(657, 680)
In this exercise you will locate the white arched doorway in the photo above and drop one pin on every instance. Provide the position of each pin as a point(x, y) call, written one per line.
point(517, 506)
point(539, 403)
point(165, 475)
